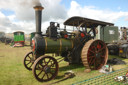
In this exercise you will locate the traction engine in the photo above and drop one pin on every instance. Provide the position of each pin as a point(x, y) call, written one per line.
point(76, 46)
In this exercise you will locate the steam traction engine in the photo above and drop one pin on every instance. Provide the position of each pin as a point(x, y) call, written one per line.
point(75, 47)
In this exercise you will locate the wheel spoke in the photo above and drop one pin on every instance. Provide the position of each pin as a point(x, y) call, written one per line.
point(102, 56)
point(27, 60)
point(31, 54)
point(28, 63)
point(48, 61)
point(29, 57)
point(91, 51)
point(101, 49)
point(91, 59)
point(40, 72)
point(95, 63)
point(47, 76)
point(53, 68)
point(95, 49)
point(31, 65)
point(43, 76)
point(41, 65)
point(45, 62)
point(52, 64)
point(98, 63)
point(51, 73)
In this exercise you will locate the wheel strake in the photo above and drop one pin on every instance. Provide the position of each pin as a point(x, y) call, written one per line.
point(94, 54)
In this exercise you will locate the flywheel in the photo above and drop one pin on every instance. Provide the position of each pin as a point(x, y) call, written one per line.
point(94, 54)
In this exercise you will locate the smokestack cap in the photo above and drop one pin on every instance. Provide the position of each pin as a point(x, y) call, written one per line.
point(38, 7)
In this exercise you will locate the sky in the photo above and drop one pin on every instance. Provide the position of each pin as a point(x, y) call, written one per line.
point(19, 15)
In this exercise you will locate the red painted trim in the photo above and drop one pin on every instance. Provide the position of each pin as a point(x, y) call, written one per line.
point(18, 41)
point(33, 45)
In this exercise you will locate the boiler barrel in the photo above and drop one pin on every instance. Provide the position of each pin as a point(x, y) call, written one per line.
point(57, 46)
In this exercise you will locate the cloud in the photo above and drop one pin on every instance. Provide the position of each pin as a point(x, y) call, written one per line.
point(6, 25)
point(24, 15)
point(24, 9)
point(92, 12)
point(126, 18)
point(53, 10)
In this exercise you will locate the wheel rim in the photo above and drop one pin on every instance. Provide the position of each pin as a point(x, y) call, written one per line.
point(45, 68)
point(96, 54)
point(28, 61)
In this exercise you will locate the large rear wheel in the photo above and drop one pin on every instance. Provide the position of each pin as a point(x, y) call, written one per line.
point(94, 54)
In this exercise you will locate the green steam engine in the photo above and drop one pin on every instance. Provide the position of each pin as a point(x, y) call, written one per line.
point(76, 46)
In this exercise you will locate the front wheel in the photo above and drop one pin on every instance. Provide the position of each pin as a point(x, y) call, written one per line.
point(45, 68)
point(28, 60)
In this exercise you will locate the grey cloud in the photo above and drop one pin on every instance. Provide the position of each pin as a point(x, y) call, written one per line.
point(24, 9)
point(7, 24)
point(24, 12)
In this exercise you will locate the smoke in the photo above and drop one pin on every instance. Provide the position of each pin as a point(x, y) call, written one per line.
point(36, 3)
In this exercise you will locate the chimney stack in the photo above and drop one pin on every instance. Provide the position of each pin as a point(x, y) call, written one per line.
point(38, 16)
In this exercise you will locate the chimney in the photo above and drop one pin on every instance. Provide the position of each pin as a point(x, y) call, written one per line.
point(38, 14)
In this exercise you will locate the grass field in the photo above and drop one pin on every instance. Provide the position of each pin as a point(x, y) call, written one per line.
point(13, 72)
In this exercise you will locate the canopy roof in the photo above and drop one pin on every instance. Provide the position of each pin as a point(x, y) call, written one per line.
point(76, 21)
point(18, 32)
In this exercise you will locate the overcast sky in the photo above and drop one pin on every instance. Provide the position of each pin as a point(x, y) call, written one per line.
point(19, 15)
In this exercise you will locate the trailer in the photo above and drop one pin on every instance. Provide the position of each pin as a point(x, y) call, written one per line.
point(19, 39)
point(116, 39)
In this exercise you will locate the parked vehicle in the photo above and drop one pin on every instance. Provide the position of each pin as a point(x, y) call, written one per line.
point(19, 39)
point(73, 46)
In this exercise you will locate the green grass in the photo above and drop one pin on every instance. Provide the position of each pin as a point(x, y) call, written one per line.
point(13, 72)
point(106, 79)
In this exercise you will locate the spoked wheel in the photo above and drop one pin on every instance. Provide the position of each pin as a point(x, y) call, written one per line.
point(94, 54)
point(45, 68)
point(28, 61)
